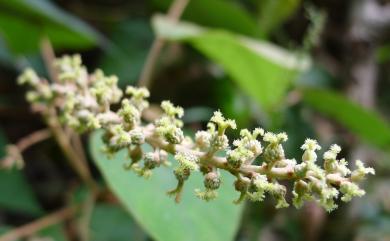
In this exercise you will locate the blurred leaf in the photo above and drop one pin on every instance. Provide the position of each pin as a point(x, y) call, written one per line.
point(262, 70)
point(275, 12)
point(316, 77)
point(218, 14)
point(132, 39)
point(383, 53)
point(16, 194)
point(112, 223)
point(159, 215)
point(366, 124)
point(54, 232)
point(24, 22)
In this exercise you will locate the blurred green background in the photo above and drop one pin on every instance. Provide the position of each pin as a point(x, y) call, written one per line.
point(311, 68)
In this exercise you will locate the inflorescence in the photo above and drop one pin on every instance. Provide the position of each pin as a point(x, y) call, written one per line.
point(83, 101)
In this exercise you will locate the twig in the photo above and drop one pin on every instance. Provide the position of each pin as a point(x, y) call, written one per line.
point(37, 225)
point(14, 152)
point(33, 139)
point(85, 219)
point(71, 155)
point(174, 13)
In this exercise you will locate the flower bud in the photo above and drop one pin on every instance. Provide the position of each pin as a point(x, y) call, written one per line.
point(212, 180)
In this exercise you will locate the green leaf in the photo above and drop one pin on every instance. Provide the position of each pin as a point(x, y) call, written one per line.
point(264, 71)
point(275, 12)
point(16, 194)
point(366, 124)
point(158, 214)
point(33, 19)
point(217, 14)
point(54, 232)
point(132, 40)
point(112, 223)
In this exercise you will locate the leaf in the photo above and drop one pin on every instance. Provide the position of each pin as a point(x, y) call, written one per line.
point(16, 194)
point(191, 220)
point(54, 232)
point(366, 124)
point(217, 14)
point(112, 223)
point(263, 70)
point(38, 18)
point(133, 40)
point(275, 12)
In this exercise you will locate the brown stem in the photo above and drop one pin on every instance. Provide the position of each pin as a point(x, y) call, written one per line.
point(33, 139)
point(71, 155)
point(37, 225)
point(174, 13)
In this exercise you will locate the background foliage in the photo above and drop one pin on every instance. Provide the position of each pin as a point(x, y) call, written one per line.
point(312, 68)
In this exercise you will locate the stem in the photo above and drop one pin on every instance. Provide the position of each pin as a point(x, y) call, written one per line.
point(174, 14)
point(37, 225)
point(281, 173)
point(33, 139)
point(63, 141)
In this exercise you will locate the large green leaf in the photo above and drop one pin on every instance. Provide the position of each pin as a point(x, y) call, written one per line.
point(23, 23)
point(366, 124)
point(112, 223)
point(263, 70)
point(218, 14)
point(159, 215)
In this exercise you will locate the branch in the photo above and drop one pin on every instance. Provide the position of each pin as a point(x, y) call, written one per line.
point(14, 152)
point(174, 13)
point(37, 225)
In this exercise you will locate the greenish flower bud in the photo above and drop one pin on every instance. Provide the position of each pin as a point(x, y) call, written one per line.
point(174, 135)
point(360, 173)
point(238, 156)
point(301, 193)
point(310, 147)
point(219, 142)
point(202, 140)
point(29, 77)
point(182, 173)
point(222, 123)
point(172, 110)
point(350, 190)
point(187, 161)
point(212, 181)
point(151, 160)
point(273, 152)
point(137, 137)
point(206, 195)
point(242, 184)
point(135, 154)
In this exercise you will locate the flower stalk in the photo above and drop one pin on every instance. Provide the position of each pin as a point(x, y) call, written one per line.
point(84, 101)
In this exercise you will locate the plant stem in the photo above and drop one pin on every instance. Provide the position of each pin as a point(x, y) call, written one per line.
point(71, 155)
point(37, 225)
point(174, 14)
point(33, 139)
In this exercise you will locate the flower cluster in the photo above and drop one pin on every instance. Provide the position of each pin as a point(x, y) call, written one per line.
point(86, 102)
